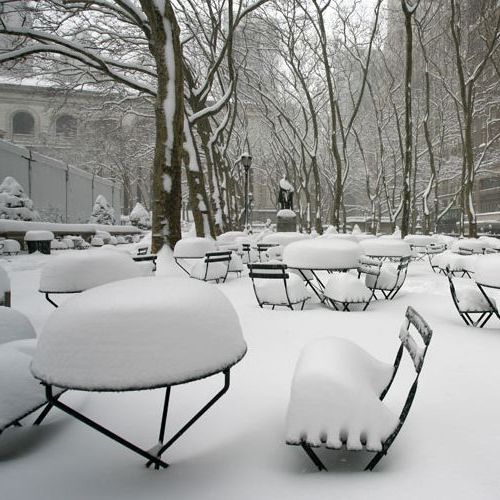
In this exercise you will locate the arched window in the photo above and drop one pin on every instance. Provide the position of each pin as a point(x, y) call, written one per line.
point(66, 126)
point(23, 123)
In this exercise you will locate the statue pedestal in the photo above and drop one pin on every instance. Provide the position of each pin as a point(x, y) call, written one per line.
point(286, 221)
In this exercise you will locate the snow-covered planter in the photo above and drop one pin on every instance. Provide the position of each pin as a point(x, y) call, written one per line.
point(387, 247)
point(77, 271)
point(190, 248)
point(4, 288)
point(142, 340)
point(58, 245)
point(14, 203)
point(487, 270)
point(322, 254)
point(38, 240)
point(286, 213)
point(10, 247)
point(96, 241)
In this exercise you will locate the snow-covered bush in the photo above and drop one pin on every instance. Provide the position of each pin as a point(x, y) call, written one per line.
point(140, 217)
point(10, 246)
point(103, 212)
point(14, 203)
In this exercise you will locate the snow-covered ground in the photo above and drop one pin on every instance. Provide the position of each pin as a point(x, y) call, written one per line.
point(448, 448)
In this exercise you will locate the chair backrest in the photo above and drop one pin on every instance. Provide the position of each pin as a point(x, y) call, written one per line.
point(142, 251)
point(465, 251)
point(369, 265)
point(403, 263)
point(223, 256)
point(268, 271)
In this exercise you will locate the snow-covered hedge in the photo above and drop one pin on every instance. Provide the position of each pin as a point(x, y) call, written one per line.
point(140, 217)
point(103, 212)
point(14, 203)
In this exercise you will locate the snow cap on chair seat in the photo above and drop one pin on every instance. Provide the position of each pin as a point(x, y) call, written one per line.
point(216, 270)
point(335, 397)
point(139, 333)
point(272, 291)
point(470, 297)
point(14, 326)
point(79, 271)
point(344, 287)
point(194, 247)
point(235, 264)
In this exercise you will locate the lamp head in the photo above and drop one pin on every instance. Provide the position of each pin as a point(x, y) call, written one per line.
point(246, 161)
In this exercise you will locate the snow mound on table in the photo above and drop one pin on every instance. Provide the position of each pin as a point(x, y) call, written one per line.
point(285, 239)
point(4, 281)
point(339, 236)
point(444, 239)
point(335, 397)
point(386, 247)
point(473, 244)
point(14, 326)
point(82, 270)
point(194, 247)
point(455, 261)
point(328, 253)
point(419, 240)
point(491, 242)
point(344, 287)
point(139, 333)
point(487, 270)
point(229, 237)
point(272, 291)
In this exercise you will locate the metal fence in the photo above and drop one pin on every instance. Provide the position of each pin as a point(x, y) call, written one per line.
point(60, 192)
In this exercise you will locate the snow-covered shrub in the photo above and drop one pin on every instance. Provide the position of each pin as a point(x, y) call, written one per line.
point(104, 235)
point(140, 217)
point(58, 245)
point(120, 240)
point(10, 246)
point(96, 241)
point(14, 203)
point(103, 212)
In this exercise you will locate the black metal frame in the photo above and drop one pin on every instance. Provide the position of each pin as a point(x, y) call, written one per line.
point(412, 317)
point(146, 258)
point(481, 287)
point(153, 456)
point(484, 316)
point(246, 249)
point(47, 296)
point(367, 265)
point(258, 271)
point(178, 261)
point(421, 252)
point(389, 294)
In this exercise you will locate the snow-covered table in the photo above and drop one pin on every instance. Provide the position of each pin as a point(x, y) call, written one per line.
point(385, 248)
point(138, 334)
point(192, 248)
point(76, 272)
point(312, 256)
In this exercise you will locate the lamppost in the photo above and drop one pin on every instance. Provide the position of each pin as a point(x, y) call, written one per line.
point(246, 161)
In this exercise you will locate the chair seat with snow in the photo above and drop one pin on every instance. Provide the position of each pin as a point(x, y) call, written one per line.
point(345, 290)
point(271, 251)
point(214, 267)
point(391, 278)
point(338, 391)
point(470, 303)
point(275, 286)
point(20, 393)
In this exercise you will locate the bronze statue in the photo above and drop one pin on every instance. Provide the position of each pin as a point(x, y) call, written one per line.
point(285, 196)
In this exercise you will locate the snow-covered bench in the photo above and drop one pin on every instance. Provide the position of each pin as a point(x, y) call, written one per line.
point(20, 393)
point(338, 391)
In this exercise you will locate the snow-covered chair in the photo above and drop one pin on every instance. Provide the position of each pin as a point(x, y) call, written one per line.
point(433, 250)
point(274, 286)
point(20, 393)
point(338, 391)
point(236, 264)
point(214, 267)
point(391, 278)
point(247, 253)
point(344, 290)
point(264, 248)
point(469, 301)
